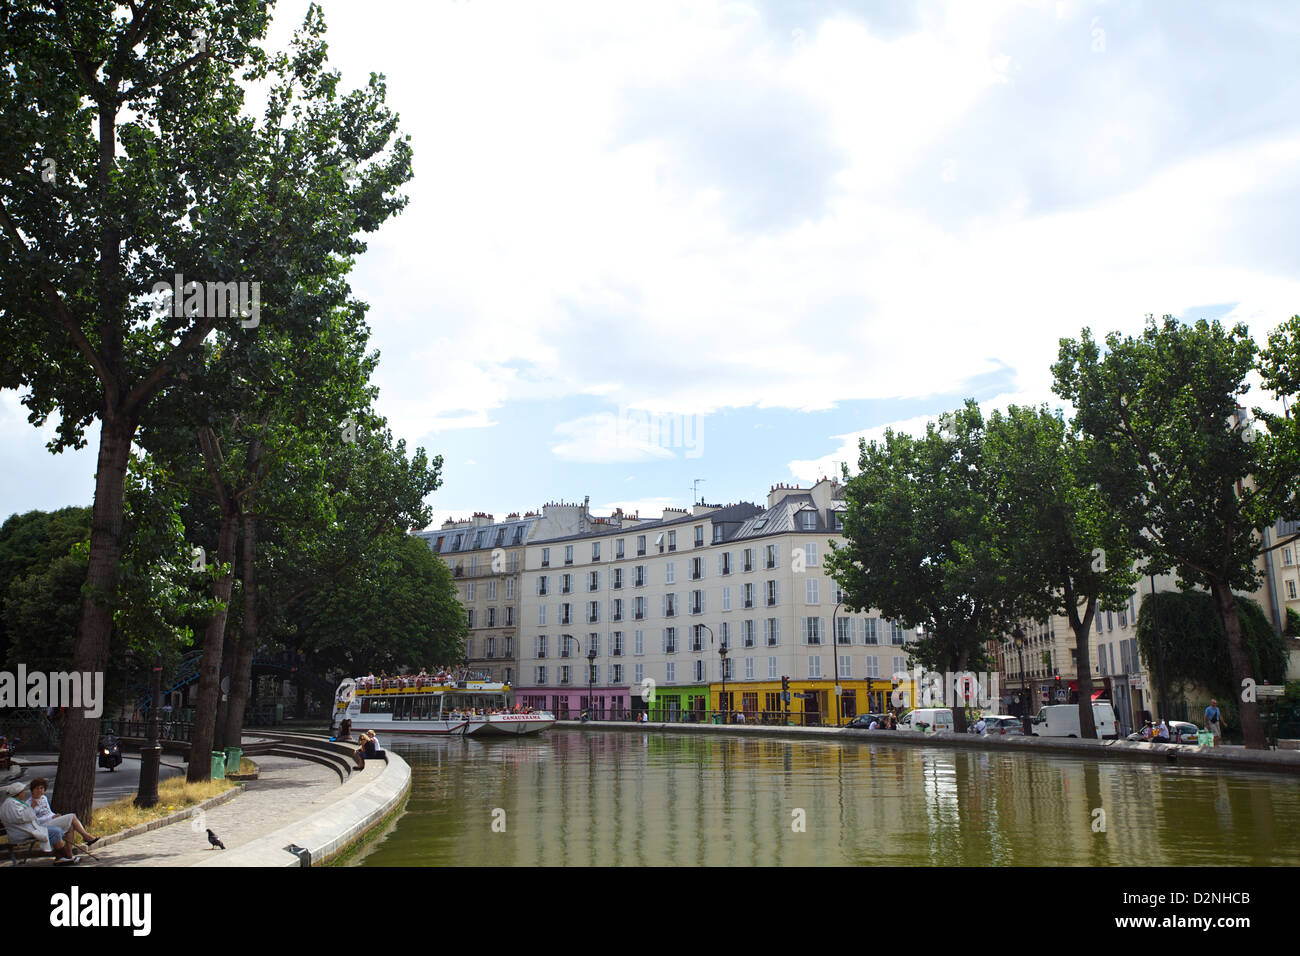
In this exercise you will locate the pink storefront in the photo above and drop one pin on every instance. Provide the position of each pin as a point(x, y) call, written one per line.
point(568, 703)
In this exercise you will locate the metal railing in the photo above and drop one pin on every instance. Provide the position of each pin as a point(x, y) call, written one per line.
point(664, 715)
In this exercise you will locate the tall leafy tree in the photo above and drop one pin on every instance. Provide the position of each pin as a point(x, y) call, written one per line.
point(922, 543)
point(1279, 364)
point(1070, 553)
point(127, 159)
point(30, 543)
point(1175, 458)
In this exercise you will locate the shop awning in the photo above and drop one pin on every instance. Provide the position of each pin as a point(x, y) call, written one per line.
point(1098, 693)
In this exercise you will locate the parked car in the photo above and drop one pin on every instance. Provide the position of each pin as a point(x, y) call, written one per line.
point(1180, 732)
point(863, 721)
point(997, 724)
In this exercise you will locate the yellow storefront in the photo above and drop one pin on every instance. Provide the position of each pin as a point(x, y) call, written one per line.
point(812, 702)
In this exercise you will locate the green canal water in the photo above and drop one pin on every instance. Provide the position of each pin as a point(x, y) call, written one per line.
point(582, 798)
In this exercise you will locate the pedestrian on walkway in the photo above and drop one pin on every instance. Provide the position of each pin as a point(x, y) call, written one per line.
point(1213, 719)
point(47, 818)
point(19, 821)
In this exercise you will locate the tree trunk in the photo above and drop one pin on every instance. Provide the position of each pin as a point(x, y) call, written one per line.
point(1252, 728)
point(243, 666)
point(959, 709)
point(75, 782)
point(1083, 657)
point(205, 708)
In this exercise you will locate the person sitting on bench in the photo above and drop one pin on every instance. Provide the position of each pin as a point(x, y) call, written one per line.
point(21, 827)
point(46, 817)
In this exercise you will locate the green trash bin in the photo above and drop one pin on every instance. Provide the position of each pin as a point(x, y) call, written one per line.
point(218, 765)
point(233, 756)
point(717, 718)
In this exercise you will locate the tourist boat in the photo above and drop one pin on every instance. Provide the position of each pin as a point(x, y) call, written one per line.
point(425, 705)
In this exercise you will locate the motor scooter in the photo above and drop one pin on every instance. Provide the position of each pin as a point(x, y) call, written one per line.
point(110, 752)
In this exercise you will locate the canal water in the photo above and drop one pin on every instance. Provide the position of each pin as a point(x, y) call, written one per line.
point(579, 798)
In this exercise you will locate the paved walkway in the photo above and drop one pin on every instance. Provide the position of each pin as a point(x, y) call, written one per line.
point(110, 785)
point(287, 789)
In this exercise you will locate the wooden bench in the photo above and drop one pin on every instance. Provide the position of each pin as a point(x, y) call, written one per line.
point(27, 847)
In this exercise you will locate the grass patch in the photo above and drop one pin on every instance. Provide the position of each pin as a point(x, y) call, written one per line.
point(246, 766)
point(174, 794)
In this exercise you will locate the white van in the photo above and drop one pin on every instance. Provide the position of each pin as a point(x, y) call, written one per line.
point(934, 719)
point(1062, 720)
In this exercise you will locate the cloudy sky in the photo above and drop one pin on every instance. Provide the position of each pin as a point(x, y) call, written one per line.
point(650, 243)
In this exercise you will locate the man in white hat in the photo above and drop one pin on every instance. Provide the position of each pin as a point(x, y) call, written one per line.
point(20, 825)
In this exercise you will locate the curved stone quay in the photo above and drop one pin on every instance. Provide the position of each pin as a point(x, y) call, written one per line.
point(650, 795)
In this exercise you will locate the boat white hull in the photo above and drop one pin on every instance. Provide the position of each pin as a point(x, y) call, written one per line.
point(497, 725)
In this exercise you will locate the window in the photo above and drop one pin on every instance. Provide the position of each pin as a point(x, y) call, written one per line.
point(541, 585)
point(568, 554)
point(638, 643)
point(616, 644)
point(771, 669)
point(699, 536)
point(638, 673)
point(871, 630)
point(717, 533)
point(697, 568)
point(510, 646)
point(724, 634)
point(593, 581)
point(566, 583)
point(812, 630)
point(564, 674)
point(546, 557)
point(593, 612)
point(896, 633)
point(814, 667)
point(639, 608)
point(491, 647)
point(618, 579)
point(846, 667)
point(726, 599)
point(670, 640)
point(810, 554)
point(770, 561)
point(749, 668)
point(492, 590)
point(672, 540)
point(1290, 590)
point(593, 643)
point(697, 638)
point(469, 591)
point(640, 545)
point(749, 559)
point(697, 602)
point(566, 613)
point(670, 573)
point(519, 535)
point(541, 615)
point(810, 591)
point(670, 605)
point(772, 631)
point(595, 550)
point(618, 548)
point(1110, 621)
point(670, 672)
point(618, 609)
point(539, 674)
point(1123, 618)
point(728, 669)
point(1286, 556)
point(843, 630)
point(541, 645)
point(509, 620)
point(616, 674)
point(491, 617)
point(900, 665)
point(510, 588)
point(747, 594)
point(470, 617)
point(773, 593)
point(873, 666)
point(699, 671)
point(837, 520)
point(724, 563)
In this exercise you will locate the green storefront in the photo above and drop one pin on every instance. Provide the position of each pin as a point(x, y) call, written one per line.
point(680, 704)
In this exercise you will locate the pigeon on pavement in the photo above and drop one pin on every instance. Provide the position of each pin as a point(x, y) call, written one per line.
point(212, 840)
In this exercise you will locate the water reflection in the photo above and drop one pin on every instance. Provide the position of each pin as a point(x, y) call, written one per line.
point(652, 799)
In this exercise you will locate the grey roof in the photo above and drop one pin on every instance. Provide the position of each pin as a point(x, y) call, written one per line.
point(499, 534)
point(780, 519)
point(730, 514)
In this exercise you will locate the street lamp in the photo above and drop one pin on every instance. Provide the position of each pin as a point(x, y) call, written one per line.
point(835, 660)
point(722, 656)
point(1018, 636)
point(591, 678)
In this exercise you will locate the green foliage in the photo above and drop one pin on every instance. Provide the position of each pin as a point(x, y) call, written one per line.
point(1195, 647)
point(1292, 622)
point(921, 543)
point(30, 543)
point(396, 607)
point(1279, 365)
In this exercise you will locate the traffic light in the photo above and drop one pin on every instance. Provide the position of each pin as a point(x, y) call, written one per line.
point(785, 683)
